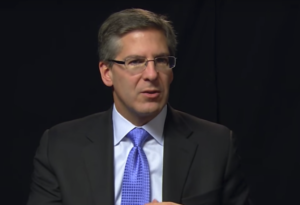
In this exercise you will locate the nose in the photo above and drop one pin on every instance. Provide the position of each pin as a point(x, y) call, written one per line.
point(150, 72)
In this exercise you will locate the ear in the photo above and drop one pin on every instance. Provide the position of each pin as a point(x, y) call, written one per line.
point(105, 74)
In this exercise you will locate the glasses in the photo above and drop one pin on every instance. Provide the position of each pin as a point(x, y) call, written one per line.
point(138, 64)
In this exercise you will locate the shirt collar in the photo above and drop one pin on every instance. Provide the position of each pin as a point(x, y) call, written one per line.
point(122, 126)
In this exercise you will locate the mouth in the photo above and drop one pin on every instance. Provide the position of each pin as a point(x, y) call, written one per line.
point(151, 93)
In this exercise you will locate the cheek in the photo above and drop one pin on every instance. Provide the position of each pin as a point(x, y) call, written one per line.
point(167, 78)
point(125, 86)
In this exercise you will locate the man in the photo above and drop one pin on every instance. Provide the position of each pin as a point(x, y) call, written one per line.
point(179, 159)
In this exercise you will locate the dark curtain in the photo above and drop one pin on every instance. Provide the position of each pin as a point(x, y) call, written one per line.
point(238, 65)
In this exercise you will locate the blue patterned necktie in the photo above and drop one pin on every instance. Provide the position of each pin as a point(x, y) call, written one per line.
point(136, 179)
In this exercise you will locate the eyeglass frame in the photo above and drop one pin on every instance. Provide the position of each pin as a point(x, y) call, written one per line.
point(146, 62)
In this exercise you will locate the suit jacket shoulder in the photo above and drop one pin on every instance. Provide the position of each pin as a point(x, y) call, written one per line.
point(81, 126)
point(201, 129)
point(196, 122)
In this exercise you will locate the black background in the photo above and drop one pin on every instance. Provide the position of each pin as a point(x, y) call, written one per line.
point(238, 65)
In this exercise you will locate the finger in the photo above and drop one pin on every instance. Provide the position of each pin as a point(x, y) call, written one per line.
point(152, 202)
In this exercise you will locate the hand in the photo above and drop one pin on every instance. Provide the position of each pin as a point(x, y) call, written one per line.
point(161, 203)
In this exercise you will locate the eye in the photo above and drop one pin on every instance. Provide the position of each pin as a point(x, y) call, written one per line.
point(134, 62)
point(162, 60)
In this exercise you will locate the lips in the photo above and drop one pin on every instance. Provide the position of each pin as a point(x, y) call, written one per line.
point(151, 93)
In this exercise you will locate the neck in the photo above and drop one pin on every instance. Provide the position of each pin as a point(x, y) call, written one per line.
point(136, 119)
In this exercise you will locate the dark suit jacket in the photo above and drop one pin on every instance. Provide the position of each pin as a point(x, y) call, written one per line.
point(74, 163)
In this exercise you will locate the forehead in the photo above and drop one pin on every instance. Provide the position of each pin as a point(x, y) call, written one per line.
point(144, 43)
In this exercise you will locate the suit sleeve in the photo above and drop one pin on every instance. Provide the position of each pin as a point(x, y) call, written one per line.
point(235, 190)
point(45, 188)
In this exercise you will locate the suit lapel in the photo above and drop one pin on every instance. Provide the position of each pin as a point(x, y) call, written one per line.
point(178, 156)
point(99, 159)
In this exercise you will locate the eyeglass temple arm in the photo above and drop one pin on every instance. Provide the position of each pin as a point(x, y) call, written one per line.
point(119, 62)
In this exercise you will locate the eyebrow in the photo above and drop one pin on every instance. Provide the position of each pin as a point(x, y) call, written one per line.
point(155, 56)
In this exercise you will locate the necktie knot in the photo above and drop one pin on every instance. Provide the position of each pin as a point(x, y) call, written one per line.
point(138, 136)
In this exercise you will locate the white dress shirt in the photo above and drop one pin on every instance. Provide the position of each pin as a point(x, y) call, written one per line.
point(153, 149)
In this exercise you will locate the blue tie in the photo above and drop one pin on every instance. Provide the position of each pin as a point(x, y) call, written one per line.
point(136, 179)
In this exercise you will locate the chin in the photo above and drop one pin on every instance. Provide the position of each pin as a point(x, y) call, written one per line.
point(148, 109)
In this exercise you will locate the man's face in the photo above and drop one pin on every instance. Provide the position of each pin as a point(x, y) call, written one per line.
point(139, 97)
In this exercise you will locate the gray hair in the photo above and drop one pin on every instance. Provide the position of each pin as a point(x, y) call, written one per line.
point(120, 23)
